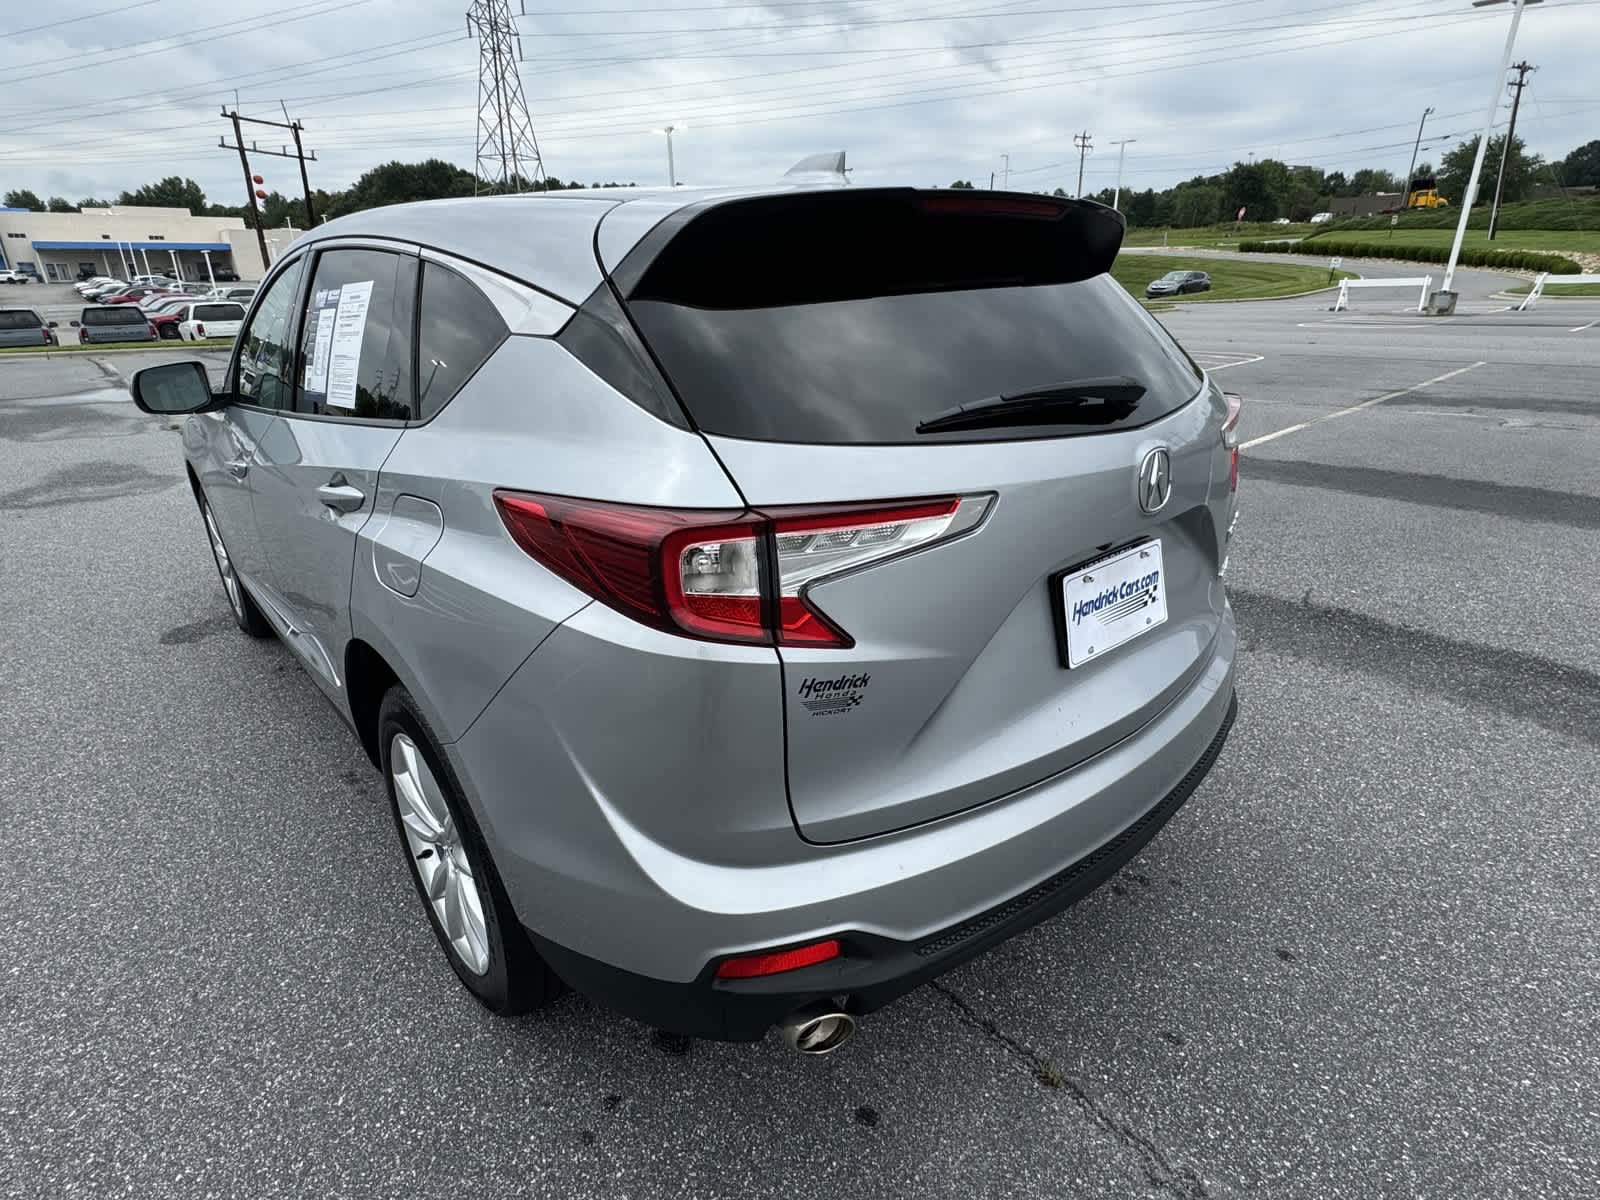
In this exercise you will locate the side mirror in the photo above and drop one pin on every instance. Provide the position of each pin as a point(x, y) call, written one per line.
point(172, 388)
point(52, 324)
point(74, 324)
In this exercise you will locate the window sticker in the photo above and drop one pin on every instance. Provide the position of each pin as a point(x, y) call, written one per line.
point(344, 354)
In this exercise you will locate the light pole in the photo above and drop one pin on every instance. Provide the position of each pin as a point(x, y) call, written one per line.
point(206, 254)
point(1415, 150)
point(672, 170)
point(1121, 149)
point(1084, 145)
point(1444, 300)
point(1005, 172)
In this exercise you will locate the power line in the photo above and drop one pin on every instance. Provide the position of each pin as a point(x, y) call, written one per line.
point(119, 10)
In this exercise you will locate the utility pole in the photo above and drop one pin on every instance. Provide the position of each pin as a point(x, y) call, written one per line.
point(1005, 173)
point(1122, 147)
point(249, 187)
point(1522, 69)
point(506, 141)
point(1084, 145)
point(299, 154)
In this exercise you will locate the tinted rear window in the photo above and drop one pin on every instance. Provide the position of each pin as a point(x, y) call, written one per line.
point(217, 312)
point(19, 320)
point(118, 314)
point(825, 319)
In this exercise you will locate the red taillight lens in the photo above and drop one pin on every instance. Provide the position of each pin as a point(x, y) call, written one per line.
point(749, 966)
point(154, 332)
point(705, 573)
point(199, 329)
point(1230, 438)
point(991, 205)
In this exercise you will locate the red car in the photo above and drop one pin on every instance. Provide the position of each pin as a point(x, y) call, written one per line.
point(131, 296)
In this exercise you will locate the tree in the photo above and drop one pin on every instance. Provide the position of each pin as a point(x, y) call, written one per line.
point(171, 192)
point(60, 204)
point(1369, 180)
point(399, 183)
point(1196, 204)
point(1581, 168)
point(91, 202)
point(962, 183)
point(23, 198)
point(1456, 168)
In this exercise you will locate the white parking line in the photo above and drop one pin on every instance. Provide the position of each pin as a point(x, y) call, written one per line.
point(1229, 360)
point(1581, 328)
point(1344, 412)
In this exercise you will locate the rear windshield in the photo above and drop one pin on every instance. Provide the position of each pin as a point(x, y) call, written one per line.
point(19, 320)
point(843, 330)
point(116, 314)
point(218, 312)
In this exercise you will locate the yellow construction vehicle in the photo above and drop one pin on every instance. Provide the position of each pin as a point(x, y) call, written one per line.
point(1424, 193)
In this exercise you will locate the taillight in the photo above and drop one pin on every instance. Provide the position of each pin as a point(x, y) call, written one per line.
point(199, 329)
point(1230, 438)
point(154, 332)
point(752, 966)
point(724, 576)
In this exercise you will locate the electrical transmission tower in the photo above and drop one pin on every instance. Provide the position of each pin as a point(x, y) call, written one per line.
point(508, 151)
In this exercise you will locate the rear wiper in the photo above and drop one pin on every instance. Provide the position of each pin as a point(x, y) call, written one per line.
point(1101, 401)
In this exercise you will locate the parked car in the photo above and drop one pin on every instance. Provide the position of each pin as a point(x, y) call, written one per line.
point(1321, 218)
point(113, 323)
point(103, 290)
point(24, 327)
point(1175, 283)
point(15, 277)
point(132, 295)
point(85, 286)
point(216, 319)
point(242, 295)
point(745, 671)
point(166, 315)
point(224, 274)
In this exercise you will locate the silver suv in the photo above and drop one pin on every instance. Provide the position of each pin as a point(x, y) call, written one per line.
point(757, 601)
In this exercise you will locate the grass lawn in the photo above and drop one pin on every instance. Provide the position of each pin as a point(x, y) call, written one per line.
point(1559, 289)
point(165, 344)
point(1552, 241)
point(1216, 237)
point(1230, 280)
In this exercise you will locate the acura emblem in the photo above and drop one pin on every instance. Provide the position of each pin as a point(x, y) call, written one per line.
point(1155, 480)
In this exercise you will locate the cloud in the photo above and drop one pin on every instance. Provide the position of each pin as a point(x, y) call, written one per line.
point(917, 91)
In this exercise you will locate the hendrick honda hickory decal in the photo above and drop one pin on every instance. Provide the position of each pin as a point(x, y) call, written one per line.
point(828, 697)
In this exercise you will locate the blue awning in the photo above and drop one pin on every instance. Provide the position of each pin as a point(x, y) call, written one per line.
point(110, 244)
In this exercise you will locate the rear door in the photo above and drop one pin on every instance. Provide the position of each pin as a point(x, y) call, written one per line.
point(317, 467)
point(838, 375)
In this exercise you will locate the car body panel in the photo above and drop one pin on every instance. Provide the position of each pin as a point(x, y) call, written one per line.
point(24, 327)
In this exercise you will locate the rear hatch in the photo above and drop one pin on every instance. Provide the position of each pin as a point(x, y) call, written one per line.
point(894, 347)
point(21, 327)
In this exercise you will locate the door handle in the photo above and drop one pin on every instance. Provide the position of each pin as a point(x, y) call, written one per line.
point(341, 497)
point(238, 467)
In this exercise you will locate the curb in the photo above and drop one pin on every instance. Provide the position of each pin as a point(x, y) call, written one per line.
point(124, 350)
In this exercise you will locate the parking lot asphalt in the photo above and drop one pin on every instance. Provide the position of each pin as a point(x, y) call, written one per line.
point(1361, 962)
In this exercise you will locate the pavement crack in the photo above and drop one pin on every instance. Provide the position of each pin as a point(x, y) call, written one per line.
point(1159, 1168)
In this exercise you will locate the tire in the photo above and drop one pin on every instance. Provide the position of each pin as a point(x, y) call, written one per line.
point(170, 333)
point(245, 613)
point(463, 897)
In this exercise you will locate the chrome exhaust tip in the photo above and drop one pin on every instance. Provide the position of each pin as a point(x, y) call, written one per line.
point(817, 1028)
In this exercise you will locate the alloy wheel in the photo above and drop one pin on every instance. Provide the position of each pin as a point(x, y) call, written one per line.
point(437, 854)
point(230, 580)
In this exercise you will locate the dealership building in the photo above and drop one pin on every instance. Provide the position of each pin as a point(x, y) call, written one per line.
point(126, 240)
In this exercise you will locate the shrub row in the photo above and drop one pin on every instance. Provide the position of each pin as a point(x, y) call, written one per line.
point(1471, 256)
point(1578, 213)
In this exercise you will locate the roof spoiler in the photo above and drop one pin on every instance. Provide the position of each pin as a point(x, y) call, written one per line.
point(827, 167)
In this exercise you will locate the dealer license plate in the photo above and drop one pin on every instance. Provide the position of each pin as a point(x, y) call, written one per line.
point(1113, 601)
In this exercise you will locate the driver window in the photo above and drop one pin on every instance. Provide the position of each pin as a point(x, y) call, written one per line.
point(266, 349)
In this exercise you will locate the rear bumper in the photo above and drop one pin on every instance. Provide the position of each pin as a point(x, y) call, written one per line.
point(638, 924)
point(873, 970)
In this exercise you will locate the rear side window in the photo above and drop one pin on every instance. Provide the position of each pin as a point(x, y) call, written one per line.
point(355, 344)
point(217, 312)
point(120, 314)
point(458, 330)
point(855, 318)
point(19, 320)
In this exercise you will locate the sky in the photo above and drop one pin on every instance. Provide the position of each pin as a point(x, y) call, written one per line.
point(98, 96)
